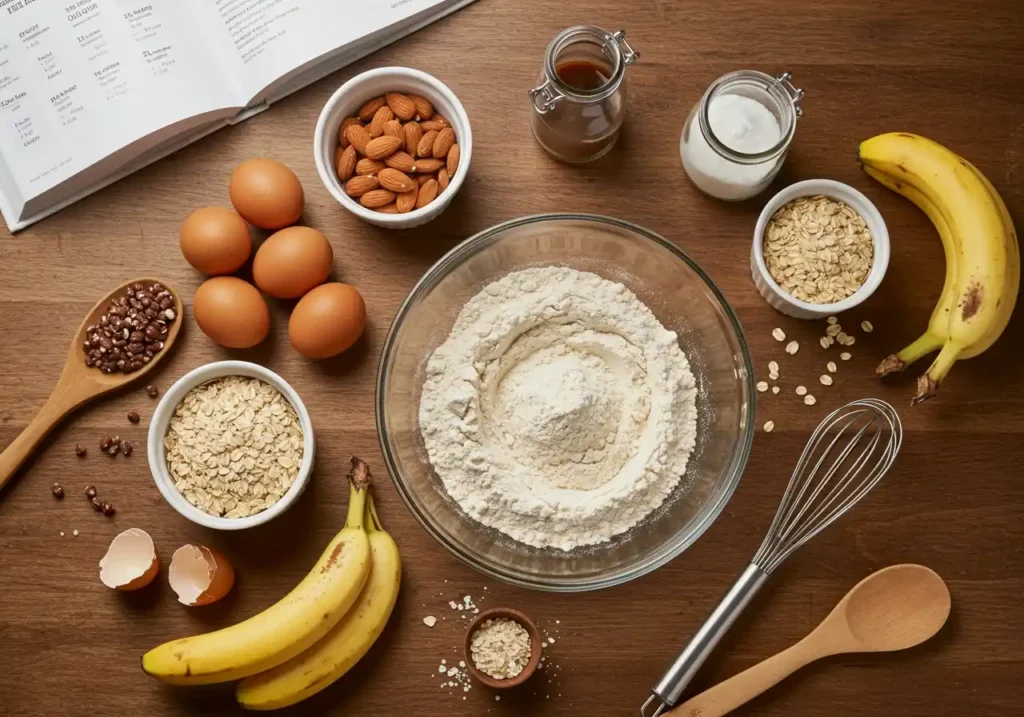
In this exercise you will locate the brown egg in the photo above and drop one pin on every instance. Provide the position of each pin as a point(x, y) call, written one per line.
point(215, 240)
point(266, 193)
point(292, 261)
point(327, 320)
point(231, 312)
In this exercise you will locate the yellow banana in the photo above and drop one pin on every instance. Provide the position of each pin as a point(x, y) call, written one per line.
point(286, 628)
point(938, 324)
point(334, 655)
point(988, 266)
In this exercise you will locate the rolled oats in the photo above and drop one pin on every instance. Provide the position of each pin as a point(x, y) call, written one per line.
point(818, 249)
point(831, 366)
point(866, 326)
point(825, 379)
point(792, 347)
point(845, 356)
point(234, 446)
point(778, 334)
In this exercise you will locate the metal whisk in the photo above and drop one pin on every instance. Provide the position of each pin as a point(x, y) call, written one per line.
point(845, 457)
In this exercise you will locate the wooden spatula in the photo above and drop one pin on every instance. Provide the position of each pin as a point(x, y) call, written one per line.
point(79, 383)
point(896, 608)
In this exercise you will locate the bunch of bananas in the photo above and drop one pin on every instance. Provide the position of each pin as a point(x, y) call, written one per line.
point(314, 634)
point(978, 239)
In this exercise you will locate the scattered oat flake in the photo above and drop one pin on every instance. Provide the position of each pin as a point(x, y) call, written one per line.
point(775, 389)
point(792, 347)
point(810, 400)
point(851, 340)
point(801, 390)
point(845, 356)
point(551, 641)
point(62, 533)
point(831, 366)
point(769, 426)
point(773, 366)
point(430, 621)
point(452, 604)
point(762, 386)
point(841, 337)
point(866, 326)
point(825, 379)
point(778, 334)
point(832, 319)
point(833, 329)
point(825, 343)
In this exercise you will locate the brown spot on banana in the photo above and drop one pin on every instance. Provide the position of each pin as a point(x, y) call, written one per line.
point(331, 561)
point(971, 302)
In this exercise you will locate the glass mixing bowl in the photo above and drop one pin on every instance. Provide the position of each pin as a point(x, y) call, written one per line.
point(683, 298)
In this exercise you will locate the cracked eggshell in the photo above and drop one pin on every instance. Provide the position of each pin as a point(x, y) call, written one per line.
point(200, 575)
point(131, 561)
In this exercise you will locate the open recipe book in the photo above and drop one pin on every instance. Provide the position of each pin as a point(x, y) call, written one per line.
point(92, 90)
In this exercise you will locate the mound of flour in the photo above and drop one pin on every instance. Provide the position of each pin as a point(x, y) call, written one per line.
point(559, 411)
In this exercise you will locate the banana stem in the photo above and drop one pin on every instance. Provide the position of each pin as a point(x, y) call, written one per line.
point(928, 384)
point(359, 482)
point(370, 519)
point(894, 363)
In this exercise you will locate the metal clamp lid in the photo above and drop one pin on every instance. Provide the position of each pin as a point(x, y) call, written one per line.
point(795, 93)
point(547, 95)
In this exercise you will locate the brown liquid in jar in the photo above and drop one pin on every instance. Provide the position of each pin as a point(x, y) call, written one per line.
point(576, 131)
point(582, 75)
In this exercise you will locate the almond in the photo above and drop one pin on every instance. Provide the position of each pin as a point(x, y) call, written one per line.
point(401, 161)
point(338, 151)
point(347, 163)
point(429, 165)
point(381, 147)
point(381, 117)
point(389, 209)
point(369, 166)
point(393, 128)
point(413, 135)
point(360, 185)
point(401, 105)
point(443, 142)
point(396, 181)
point(424, 110)
point(422, 179)
point(367, 111)
point(406, 201)
point(344, 126)
point(427, 194)
point(377, 198)
point(442, 119)
point(432, 125)
point(442, 179)
point(453, 159)
point(357, 135)
point(426, 146)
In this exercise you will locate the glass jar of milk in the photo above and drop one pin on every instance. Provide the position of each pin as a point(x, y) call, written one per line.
point(736, 138)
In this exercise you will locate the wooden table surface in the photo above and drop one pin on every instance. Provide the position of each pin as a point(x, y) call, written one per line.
point(954, 501)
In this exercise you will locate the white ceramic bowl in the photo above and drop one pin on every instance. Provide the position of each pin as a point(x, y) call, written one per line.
point(162, 418)
point(347, 101)
point(774, 294)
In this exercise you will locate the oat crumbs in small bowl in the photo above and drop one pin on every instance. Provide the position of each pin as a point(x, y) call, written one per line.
point(820, 248)
point(503, 648)
point(230, 445)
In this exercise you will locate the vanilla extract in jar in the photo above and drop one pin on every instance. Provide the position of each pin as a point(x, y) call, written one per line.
point(580, 100)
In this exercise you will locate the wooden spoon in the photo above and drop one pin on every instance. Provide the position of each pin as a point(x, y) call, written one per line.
point(79, 383)
point(896, 608)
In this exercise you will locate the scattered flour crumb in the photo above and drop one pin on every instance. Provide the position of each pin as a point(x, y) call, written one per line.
point(430, 621)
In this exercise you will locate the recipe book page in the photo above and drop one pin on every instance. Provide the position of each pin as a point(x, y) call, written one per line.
point(82, 79)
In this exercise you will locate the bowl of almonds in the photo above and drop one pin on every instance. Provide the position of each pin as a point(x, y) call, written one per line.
point(393, 145)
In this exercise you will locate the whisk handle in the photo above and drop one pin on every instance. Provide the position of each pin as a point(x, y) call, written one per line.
point(670, 687)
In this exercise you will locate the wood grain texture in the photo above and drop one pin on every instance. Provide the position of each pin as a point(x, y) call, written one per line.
point(954, 502)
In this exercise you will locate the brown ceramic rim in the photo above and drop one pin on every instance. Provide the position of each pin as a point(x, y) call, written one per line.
point(535, 648)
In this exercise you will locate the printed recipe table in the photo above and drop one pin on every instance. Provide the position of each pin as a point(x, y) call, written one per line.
point(954, 501)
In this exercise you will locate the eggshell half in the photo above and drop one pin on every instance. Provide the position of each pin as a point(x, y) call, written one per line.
point(131, 561)
point(200, 575)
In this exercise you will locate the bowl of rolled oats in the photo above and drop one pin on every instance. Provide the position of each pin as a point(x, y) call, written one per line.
point(231, 445)
point(820, 248)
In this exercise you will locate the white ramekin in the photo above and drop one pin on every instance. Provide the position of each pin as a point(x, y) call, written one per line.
point(774, 294)
point(347, 101)
point(162, 418)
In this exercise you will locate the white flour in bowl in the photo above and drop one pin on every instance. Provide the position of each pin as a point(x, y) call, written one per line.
point(559, 411)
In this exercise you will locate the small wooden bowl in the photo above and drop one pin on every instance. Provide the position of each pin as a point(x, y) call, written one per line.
point(535, 648)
